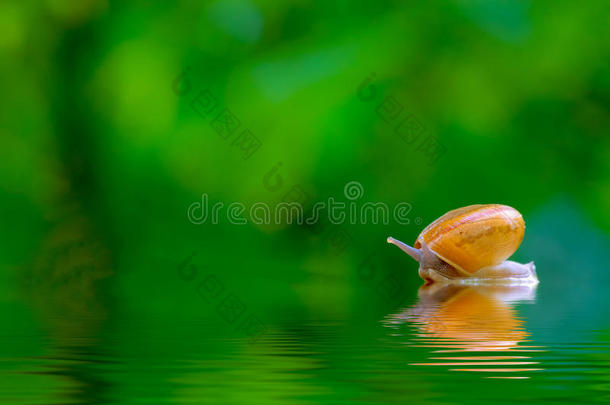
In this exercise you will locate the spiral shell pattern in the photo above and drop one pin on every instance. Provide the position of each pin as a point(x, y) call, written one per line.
point(474, 237)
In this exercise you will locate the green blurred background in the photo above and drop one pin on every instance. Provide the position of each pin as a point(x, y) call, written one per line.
point(102, 152)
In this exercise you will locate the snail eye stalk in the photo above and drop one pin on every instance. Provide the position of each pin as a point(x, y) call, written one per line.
point(411, 251)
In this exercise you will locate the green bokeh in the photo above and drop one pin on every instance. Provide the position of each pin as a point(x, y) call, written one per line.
point(100, 157)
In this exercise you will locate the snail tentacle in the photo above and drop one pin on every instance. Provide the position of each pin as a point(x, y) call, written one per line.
point(411, 251)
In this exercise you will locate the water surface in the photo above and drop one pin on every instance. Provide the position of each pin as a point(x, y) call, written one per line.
point(449, 345)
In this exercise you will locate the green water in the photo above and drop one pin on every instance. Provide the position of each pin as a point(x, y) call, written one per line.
point(174, 330)
point(432, 351)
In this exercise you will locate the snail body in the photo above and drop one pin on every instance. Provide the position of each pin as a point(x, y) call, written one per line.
point(471, 245)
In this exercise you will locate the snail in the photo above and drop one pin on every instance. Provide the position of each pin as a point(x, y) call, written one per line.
point(470, 245)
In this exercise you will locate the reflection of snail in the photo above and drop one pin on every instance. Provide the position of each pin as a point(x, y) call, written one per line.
point(470, 245)
point(470, 313)
point(473, 319)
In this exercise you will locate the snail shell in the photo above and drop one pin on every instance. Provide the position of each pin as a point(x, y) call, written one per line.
point(471, 243)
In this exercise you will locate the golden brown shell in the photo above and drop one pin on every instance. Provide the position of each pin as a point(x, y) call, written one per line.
point(474, 237)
